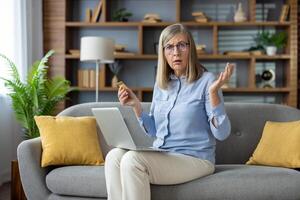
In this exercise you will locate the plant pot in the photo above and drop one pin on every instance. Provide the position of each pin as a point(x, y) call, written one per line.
point(17, 192)
point(114, 81)
point(271, 50)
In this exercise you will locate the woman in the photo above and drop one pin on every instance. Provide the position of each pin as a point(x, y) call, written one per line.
point(186, 115)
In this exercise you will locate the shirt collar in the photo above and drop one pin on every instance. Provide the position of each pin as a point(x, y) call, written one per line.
point(174, 77)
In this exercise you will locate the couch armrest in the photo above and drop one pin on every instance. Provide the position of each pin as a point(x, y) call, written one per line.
point(33, 176)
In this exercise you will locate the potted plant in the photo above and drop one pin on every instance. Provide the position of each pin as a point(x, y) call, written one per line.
point(121, 15)
point(271, 41)
point(37, 96)
point(115, 69)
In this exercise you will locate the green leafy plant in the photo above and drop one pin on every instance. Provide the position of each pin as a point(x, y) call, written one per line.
point(266, 38)
point(121, 15)
point(37, 96)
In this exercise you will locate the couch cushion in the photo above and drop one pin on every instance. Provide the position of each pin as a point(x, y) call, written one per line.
point(236, 182)
point(86, 181)
point(228, 182)
point(69, 140)
point(279, 145)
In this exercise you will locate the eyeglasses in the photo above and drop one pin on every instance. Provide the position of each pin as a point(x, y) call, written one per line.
point(181, 46)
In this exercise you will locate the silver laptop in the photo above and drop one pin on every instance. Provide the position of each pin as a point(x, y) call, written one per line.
point(115, 130)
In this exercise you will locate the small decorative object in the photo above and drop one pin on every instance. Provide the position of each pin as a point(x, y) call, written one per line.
point(120, 50)
point(155, 47)
point(271, 41)
point(284, 13)
point(152, 18)
point(271, 50)
point(88, 15)
point(115, 69)
point(237, 53)
point(266, 79)
point(257, 50)
point(74, 52)
point(200, 48)
point(97, 12)
point(120, 47)
point(239, 15)
point(121, 15)
point(200, 17)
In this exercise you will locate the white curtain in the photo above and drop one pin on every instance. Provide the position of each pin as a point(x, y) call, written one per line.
point(20, 40)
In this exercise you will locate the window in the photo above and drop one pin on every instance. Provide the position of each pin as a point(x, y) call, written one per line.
point(7, 37)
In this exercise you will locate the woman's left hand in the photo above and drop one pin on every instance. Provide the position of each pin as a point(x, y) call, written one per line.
point(223, 78)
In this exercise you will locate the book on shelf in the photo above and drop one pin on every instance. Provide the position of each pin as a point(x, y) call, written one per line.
point(75, 52)
point(97, 11)
point(123, 53)
point(237, 53)
point(92, 78)
point(88, 15)
point(80, 78)
point(87, 78)
point(284, 13)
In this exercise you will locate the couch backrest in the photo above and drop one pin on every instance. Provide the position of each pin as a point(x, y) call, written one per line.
point(247, 122)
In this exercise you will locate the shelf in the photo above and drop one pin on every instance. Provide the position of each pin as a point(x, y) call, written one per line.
point(112, 89)
point(269, 23)
point(226, 90)
point(163, 24)
point(140, 37)
point(131, 57)
point(116, 24)
point(257, 90)
point(200, 56)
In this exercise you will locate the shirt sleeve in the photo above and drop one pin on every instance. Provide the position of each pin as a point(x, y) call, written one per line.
point(147, 121)
point(217, 115)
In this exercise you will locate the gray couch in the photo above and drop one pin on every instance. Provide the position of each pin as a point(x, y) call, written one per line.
point(231, 180)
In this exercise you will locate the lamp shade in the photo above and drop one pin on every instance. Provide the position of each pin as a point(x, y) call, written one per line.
point(97, 49)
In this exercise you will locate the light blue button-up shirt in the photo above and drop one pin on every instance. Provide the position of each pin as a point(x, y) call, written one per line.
point(181, 118)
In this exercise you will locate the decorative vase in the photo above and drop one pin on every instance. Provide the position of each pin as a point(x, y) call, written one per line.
point(114, 81)
point(271, 50)
point(239, 15)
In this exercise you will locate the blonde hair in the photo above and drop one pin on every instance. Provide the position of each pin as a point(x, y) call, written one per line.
point(193, 71)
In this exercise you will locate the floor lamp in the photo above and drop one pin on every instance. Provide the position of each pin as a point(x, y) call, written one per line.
point(99, 50)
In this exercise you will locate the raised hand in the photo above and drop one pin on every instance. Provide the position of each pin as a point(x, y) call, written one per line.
point(127, 97)
point(223, 78)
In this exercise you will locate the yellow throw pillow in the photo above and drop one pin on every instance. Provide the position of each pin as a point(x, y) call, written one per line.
point(279, 145)
point(69, 141)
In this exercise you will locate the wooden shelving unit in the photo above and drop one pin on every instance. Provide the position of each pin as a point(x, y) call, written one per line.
point(200, 56)
point(162, 24)
point(58, 27)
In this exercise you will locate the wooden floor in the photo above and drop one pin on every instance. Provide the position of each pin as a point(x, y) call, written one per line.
point(5, 191)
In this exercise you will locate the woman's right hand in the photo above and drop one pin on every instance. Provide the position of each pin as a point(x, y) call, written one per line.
point(127, 97)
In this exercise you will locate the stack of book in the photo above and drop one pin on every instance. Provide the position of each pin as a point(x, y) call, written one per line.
point(200, 17)
point(74, 52)
point(87, 78)
point(120, 50)
point(151, 18)
point(200, 48)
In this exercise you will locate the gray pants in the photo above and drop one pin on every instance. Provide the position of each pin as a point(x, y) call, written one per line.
point(128, 174)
